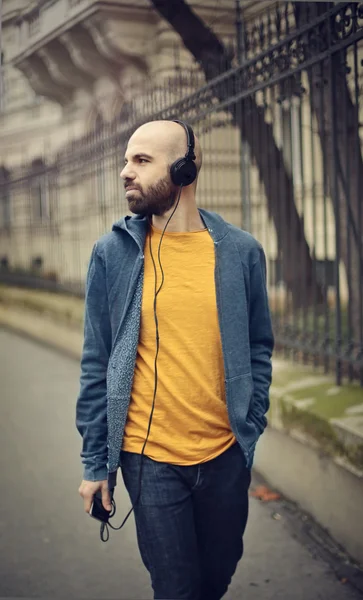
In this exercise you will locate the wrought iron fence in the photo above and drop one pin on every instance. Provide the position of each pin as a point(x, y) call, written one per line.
point(282, 142)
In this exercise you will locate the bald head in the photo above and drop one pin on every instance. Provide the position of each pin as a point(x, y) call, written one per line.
point(166, 138)
point(151, 151)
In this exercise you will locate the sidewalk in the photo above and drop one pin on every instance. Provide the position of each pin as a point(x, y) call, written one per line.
point(52, 548)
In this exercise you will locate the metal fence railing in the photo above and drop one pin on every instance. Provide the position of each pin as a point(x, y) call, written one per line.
point(282, 158)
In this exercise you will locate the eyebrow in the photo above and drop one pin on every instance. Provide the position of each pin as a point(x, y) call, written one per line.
point(140, 155)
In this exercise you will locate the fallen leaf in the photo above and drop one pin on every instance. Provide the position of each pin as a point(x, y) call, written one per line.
point(264, 494)
point(259, 490)
point(270, 496)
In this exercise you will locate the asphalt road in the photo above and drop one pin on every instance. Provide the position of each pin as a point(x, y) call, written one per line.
point(51, 548)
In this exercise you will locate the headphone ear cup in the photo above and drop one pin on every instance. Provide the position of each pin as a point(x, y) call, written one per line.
point(176, 171)
point(183, 172)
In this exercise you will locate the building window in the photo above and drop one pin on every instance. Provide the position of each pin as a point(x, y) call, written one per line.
point(39, 193)
point(288, 131)
point(5, 217)
point(40, 200)
point(291, 127)
point(2, 82)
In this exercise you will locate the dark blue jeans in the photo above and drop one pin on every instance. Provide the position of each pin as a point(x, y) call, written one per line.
point(190, 522)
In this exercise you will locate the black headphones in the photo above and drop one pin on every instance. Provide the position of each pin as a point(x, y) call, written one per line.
point(184, 170)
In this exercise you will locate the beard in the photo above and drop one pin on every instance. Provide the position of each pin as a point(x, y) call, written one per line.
point(156, 200)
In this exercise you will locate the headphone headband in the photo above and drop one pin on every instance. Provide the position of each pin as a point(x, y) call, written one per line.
point(190, 139)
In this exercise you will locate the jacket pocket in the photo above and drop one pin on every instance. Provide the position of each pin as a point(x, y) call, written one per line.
point(260, 422)
point(239, 397)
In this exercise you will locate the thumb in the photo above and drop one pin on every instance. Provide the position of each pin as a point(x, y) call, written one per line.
point(106, 499)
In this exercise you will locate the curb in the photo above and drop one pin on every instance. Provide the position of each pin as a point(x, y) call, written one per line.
point(43, 330)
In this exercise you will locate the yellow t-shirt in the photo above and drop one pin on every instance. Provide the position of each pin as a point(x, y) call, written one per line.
point(190, 422)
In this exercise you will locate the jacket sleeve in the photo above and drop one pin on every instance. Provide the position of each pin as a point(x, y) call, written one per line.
point(91, 408)
point(261, 341)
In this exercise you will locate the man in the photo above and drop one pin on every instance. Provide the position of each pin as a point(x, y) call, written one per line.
point(195, 431)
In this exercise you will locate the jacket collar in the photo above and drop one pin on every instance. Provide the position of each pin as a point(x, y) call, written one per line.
point(137, 226)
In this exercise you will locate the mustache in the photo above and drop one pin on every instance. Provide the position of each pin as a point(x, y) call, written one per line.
point(130, 184)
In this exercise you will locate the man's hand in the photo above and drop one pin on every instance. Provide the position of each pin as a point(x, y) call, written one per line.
point(87, 490)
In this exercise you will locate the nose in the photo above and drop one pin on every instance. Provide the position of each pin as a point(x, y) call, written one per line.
point(127, 173)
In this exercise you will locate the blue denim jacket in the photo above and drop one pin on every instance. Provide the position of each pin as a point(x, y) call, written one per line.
point(111, 332)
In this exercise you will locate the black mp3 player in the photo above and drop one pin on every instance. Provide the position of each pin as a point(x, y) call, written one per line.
point(97, 509)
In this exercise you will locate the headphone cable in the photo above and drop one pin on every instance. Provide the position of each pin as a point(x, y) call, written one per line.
point(104, 526)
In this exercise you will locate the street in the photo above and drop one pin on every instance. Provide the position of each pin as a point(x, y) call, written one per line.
point(51, 548)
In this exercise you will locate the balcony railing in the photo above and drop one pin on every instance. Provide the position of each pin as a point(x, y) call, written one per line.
point(42, 22)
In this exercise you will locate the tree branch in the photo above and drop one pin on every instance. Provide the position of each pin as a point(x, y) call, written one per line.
point(213, 58)
point(197, 37)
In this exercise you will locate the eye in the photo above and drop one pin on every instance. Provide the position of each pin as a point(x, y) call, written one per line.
point(143, 160)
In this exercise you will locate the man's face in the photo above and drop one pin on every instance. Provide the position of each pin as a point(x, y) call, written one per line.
point(146, 175)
